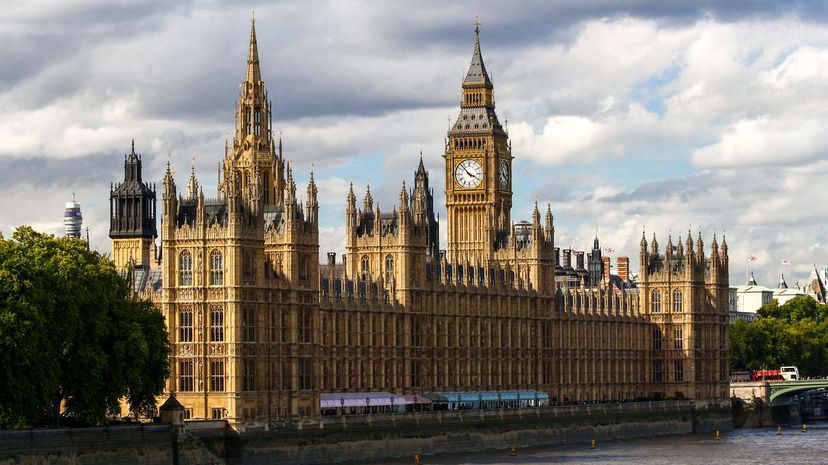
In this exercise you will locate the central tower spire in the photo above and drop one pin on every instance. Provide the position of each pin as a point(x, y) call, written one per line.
point(254, 74)
point(253, 145)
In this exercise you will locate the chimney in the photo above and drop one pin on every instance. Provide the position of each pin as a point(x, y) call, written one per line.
point(606, 262)
point(567, 258)
point(557, 257)
point(624, 268)
point(579, 261)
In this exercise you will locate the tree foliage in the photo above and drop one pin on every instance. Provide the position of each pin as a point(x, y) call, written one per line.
point(72, 339)
point(795, 333)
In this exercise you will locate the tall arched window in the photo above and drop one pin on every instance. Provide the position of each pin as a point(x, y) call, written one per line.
point(676, 301)
point(365, 266)
point(216, 268)
point(389, 268)
point(656, 301)
point(185, 269)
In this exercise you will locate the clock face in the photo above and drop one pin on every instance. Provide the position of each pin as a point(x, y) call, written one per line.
point(469, 174)
point(504, 174)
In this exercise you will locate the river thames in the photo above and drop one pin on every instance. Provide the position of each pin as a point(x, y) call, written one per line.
point(743, 446)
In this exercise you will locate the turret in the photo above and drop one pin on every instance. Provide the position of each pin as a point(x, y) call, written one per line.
point(312, 209)
point(689, 245)
point(368, 202)
point(192, 186)
point(549, 225)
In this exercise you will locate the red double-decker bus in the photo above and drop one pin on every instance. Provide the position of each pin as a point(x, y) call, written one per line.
point(766, 375)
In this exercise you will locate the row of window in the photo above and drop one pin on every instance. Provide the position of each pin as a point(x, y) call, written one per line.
point(185, 268)
point(365, 267)
point(658, 371)
point(216, 375)
point(678, 339)
point(656, 301)
point(186, 325)
point(249, 122)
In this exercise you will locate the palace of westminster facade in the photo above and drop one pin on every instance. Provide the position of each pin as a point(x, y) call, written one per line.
point(259, 329)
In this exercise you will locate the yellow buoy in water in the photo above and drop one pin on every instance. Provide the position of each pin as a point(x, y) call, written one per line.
point(593, 444)
point(778, 429)
point(804, 428)
point(717, 436)
point(513, 451)
point(417, 459)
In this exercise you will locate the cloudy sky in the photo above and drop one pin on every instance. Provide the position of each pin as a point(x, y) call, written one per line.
point(623, 115)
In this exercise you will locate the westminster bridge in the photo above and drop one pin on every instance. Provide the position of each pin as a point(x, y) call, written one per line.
point(766, 403)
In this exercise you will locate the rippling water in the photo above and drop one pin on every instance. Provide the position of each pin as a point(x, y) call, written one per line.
point(744, 446)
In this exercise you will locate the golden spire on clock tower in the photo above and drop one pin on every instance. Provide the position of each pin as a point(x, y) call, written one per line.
point(478, 167)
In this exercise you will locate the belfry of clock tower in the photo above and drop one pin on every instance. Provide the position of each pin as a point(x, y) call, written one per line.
point(478, 169)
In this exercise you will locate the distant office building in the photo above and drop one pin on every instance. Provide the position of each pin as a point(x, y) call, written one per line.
point(745, 301)
point(72, 219)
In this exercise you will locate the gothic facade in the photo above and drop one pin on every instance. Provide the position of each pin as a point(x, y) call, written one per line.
point(259, 329)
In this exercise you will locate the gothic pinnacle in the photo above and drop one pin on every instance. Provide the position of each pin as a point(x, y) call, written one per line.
point(254, 74)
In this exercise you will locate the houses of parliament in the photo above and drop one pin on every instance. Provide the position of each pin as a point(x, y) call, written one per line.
point(260, 330)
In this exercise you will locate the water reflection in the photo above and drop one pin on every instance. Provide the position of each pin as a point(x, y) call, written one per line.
point(744, 446)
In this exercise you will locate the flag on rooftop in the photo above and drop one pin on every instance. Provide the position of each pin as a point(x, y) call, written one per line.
point(785, 261)
point(609, 250)
point(753, 258)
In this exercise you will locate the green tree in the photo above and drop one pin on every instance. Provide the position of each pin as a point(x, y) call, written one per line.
point(795, 333)
point(72, 339)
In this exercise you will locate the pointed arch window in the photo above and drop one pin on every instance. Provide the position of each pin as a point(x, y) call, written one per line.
point(185, 269)
point(248, 121)
point(365, 266)
point(656, 339)
point(677, 301)
point(216, 268)
point(656, 302)
point(389, 268)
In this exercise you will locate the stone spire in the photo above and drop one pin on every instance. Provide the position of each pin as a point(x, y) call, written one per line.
point(254, 74)
point(477, 69)
point(536, 216)
point(192, 186)
point(368, 203)
point(312, 207)
point(404, 199)
point(169, 183)
point(351, 197)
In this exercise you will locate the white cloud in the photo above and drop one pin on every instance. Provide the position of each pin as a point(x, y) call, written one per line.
point(766, 141)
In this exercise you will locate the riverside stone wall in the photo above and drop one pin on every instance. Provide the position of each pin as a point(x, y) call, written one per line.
point(115, 445)
point(344, 439)
point(357, 438)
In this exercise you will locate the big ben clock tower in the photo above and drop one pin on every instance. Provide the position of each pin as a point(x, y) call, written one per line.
point(478, 169)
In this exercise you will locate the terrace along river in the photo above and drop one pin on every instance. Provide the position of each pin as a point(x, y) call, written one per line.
point(742, 446)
